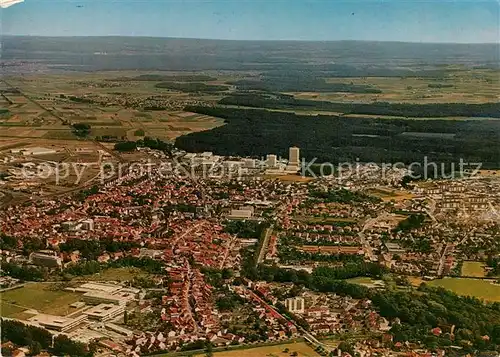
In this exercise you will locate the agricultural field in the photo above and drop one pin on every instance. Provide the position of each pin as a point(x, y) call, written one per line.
point(482, 289)
point(473, 269)
point(459, 86)
point(114, 106)
point(302, 349)
point(43, 297)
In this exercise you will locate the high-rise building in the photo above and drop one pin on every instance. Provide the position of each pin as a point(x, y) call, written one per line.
point(295, 304)
point(294, 156)
point(271, 160)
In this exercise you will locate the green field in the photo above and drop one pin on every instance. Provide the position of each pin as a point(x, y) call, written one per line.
point(44, 298)
point(473, 269)
point(360, 280)
point(482, 289)
point(302, 349)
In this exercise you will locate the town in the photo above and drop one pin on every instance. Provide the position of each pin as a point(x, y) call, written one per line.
point(207, 253)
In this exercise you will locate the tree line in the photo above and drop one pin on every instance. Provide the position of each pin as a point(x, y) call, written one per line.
point(38, 339)
point(412, 110)
point(333, 139)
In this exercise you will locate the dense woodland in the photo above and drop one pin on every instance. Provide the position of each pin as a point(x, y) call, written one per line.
point(300, 84)
point(430, 110)
point(328, 138)
point(38, 339)
point(191, 87)
point(168, 78)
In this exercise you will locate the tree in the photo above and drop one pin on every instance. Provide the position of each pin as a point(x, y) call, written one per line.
point(35, 348)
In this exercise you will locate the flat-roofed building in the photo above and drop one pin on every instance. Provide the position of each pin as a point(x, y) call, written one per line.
point(104, 312)
point(107, 288)
point(294, 156)
point(240, 214)
point(46, 260)
point(95, 298)
point(119, 329)
point(57, 323)
point(271, 160)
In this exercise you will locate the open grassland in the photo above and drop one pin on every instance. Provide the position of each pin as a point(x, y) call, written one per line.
point(473, 269)
point(302, 349)
point(482, 289)
point(45, 298)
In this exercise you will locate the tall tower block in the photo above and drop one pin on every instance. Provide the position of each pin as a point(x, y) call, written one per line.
point(294, 156)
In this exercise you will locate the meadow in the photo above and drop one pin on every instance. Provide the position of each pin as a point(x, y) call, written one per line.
point(473, 269)
point(43, 297)
point(302, 349)
point(482, 289)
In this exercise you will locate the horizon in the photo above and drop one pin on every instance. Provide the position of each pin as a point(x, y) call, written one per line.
point(246, 40)
point(417, 21)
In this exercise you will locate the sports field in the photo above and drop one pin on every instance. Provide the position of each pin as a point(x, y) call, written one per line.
point(482, 289)
point(302, 349)
point(473, 269)
point(45, 298)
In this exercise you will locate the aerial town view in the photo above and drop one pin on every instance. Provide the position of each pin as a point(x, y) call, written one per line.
point(247, 178)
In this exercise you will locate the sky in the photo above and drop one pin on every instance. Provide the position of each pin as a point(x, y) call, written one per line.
point(457, 21)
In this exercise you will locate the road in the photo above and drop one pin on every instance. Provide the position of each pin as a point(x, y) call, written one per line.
point(62, 120)
point(265, 243)
point(443, 258)
point(190, 230)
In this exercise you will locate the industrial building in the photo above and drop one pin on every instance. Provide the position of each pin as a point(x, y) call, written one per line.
point(46, 259)
point(57, 323)
point(104, 312)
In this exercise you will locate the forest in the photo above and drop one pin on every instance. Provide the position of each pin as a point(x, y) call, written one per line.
point(191, 87)
point(300, 84)
point(329, 138)
point(409, 110)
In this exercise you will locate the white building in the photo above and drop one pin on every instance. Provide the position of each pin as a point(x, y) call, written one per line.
point(271, 160)
point(57, 323)
point(104, 312)
point(46, 259)
point(87, 224)
point(249, 163)
point(38, 151)
point(295, 305)
point(241, 213)
point(294, 156)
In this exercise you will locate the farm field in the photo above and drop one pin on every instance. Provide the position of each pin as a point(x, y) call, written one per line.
point(113, 107)
point(460, 86)
point(302, 349)
point(473, 269)
point(482, 289)
point(44, 298)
